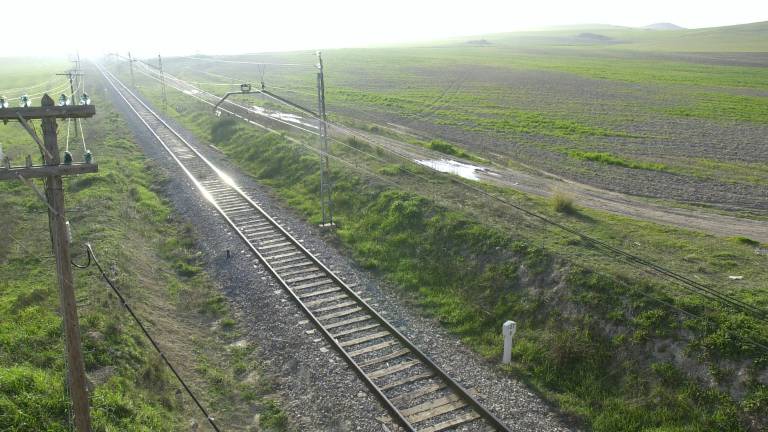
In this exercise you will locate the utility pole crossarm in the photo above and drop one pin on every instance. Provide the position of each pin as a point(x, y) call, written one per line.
point(42, 171)
point(75, 111)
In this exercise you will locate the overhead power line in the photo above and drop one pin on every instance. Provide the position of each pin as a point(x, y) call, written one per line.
point(28, 88)
point(216, 60)
point(92, 258)
point(633, 260)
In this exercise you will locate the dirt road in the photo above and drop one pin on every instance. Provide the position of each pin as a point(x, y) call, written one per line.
point(540, 183)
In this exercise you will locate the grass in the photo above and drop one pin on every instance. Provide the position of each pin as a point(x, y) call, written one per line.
point(746, 241)
point(448, 149)
point(152, 258)
point(609, 159)
point(587, 328)
point(724, 107)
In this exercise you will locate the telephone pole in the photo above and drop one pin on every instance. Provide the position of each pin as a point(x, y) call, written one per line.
point(326, 203)
point(52, 171)
point(162, 81)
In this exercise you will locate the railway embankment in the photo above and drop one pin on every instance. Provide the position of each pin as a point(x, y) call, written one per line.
point(612, 350)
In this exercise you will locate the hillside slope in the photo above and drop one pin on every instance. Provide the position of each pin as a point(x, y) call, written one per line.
point(751, 37)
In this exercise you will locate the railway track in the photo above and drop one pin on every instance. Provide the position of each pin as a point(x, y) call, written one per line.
point(417, 393)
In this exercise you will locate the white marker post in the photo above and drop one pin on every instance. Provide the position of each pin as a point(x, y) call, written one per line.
point(508, 330)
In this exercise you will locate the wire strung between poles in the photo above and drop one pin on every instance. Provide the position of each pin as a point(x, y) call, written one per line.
point(640, 263)
point(631, 259)
point(66, 147)
point(82, 135)
point(247, 62)
point(92, 258)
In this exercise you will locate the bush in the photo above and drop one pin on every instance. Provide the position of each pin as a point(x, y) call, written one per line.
point(563, 204)
point(446, 148)
point(746, 241)
point(273, 418)
point(223, 130)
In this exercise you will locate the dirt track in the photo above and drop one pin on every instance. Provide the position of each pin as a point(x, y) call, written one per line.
point(545, 184)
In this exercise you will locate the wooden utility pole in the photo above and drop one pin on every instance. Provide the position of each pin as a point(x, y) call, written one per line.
point(52, 170)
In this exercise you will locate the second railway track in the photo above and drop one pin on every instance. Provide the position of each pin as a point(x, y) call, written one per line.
point(417, 393)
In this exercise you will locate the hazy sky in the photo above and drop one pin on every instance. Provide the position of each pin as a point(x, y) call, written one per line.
point(234, 26)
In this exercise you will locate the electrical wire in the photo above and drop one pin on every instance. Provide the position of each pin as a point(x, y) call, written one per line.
point(79, 120)
point(82, 135)
point(66, 148)
point(92, 258)
point(295, 141)
point(27, 88)
point(278, 120)
point(247, 62)
point(239, 80)
point(223, 76)
point(624, 255)
point(214, 84)
point(633, 260)
point(58, 89)
point(628, 257)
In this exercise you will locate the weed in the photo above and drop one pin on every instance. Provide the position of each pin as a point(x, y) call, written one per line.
point(745, 241)
point(227, 324)
point(562, 203)
point(272, 417)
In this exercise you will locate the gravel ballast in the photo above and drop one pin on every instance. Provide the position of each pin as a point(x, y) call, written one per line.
point(317, 388)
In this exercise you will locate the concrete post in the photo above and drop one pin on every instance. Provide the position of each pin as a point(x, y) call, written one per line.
point(508, 330)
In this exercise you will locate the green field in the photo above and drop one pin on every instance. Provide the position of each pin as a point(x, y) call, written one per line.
point(650, 98)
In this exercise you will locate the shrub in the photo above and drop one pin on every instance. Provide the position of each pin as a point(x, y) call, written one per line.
point(563, 204)
point(227, 323)
point(273, 418)
point(746, 241)
point(223, 130)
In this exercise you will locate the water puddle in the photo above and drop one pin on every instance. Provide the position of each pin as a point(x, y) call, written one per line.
point(460, 169)
point(291, 118)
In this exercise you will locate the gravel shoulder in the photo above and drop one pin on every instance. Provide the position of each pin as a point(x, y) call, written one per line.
point(318, 390)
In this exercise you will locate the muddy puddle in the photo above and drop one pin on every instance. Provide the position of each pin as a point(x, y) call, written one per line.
point(460, 169)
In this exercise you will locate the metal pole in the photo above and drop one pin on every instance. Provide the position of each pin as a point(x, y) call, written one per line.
point(325, 174)
point(60, 239)
point(130, 62)
point(162, 81)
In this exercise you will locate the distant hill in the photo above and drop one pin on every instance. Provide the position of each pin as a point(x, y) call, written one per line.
point(593, 37)
point(664, 26)
point(751, 37)
point(478, 42)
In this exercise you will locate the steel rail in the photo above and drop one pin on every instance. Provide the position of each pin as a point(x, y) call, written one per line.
point(227, 185)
